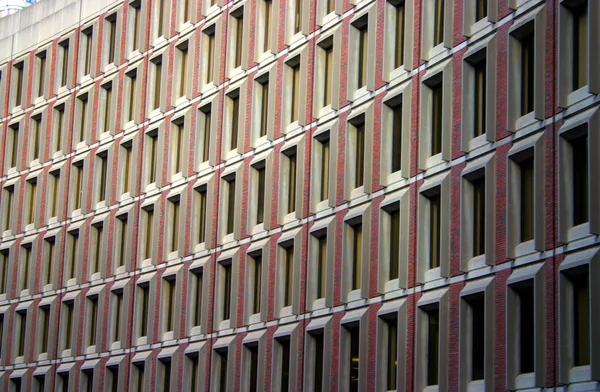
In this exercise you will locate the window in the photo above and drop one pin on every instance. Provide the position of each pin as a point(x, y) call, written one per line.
point(254, 282)
point(225, 290)
point(397, 18)
point(110, 37)
point(577, 283)
point(288, 179)
point(230, 203)
point(200, 214)
point(286, 272)
point(433, 205)
point(36, 138)
point(176, 141)
point(138, 376)
point(126, 151)
point(106, 108)
point(208, 65)
point(391, 345)
point(265, 16)
point(4, 261)
point(63, 63)
point(251, 353)
point(19, 71)
point(151, 158)
point(67, 330)
point(63, 382)
point(134, 25)
point(474, 306)
point(148, 231)
point(15, 384)
point(319, 289)
point(130, 100)
point(321, 266)
point(49, 261)
point(350, 359)
point(143, 298)
point(12, 147)
point(77, 185)
point(41, 61)
point(172, 225)
point(221, 366)
point(53, 193)
point(39, 383)
point(100, 176)
point(476, 214)
point(297, 16)
point(432, 342)
point(262, 104)
point(92, 320)
point(25, 264)
point(21, 329)
point(72, 254)
point(479, 94)
point(168, 300)
point(236, 37)
point(292, 80)
point(192, 368)
point(186, 12)
point(283, 361)
point(43, 328)
point(322, 166)
point(354, 250)
point(390, 243)
point(438, 22)
point(7, 207)
point(160, 18)
point(356, 136)
point(96, 247)
point(182, 59)
point(82, 116)
point(116, 315)
point(31, 193)
point(359, 45)
point(575, 16)
point(195, 293)
point(121, 222)
point(435, 146)
point(85, 47)
point(396, 138)
point(112, 375)
point(526, 186)
point(233, 111)
point(164, 370)
point(204, 121)
point(258, 192)
point(526, 54)
point(58, 128)
point(315, 374)
point(325, 73)
point(156, 71)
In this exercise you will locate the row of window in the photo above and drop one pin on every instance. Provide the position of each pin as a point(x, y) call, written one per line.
point(526, 337)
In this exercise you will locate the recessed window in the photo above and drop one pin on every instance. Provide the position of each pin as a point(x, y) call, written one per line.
point(12, 147)
point(262, 102)
point(147, 231)
point(389, 364)
point(195, 293)
point(397, 16)
point(396, 138)
point(67, 330)
point(138, 376)
point(19, 70)
point(355, 235)
point(31, 203)
point(135, 25)
point(525, 339)
point(325, 69)
point(438, 22)
point(527, 197)
point(130, 95)
point(316, 345)
point(352, 362)
point(110, 37)
point(39, 383)
point(481, 10)
point(72, 254)
point(173, 219)
point(63, 60)
point(361, 35)
point(63, 382)
point(267, 6)
point(176, 140)
point(474, 328)
point(35, 137)
point(126, 151)
point(200, 214)
point(53, 193)
point(58, 127)
point(41, 67)
point(82, 116)
point(479, 94)
point(101, 170)
point(435, 146)
point(297, 16)
point(168, 304)
point(233, 111)
point(258, 192)
point(7, 207)
point(120, 237)
point(475, 184)
point(432, 330)
point(182, 57)
point(579, 13)
point(292, 77)
point(204, 129)
point(151, 158)
point(49, 260)
point(92, 320)
point(86, 46)
point(142, 298)
point(251, 352)
point(225, 289)
point(21, 329)
point(96, 247)
point(4, 260)
point(289, 170)
point(329, 6)
point(286, 264)
point(25, 263)
point(208, 65)
point(578, 316)
point(43, 328)
point(284, 359)
point(357, 151)
point(164, 370)
point(156, 71)
point(192, 367)
point(159, 18)
point(255, 282)
point(230, 202)
point(320, 265)
point(116, 315)
point(221, 358)
point(433, 212)
point(112, 374)
point(322, 147)
point(393, 230)
point(236, 36)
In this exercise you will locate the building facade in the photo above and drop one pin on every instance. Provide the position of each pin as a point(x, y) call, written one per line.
point(300, 195)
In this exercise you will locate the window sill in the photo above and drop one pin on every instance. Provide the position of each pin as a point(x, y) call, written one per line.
point(325, 112)
point(20, 359)
point(525, 380)
point(29, 227)
point(578, 232)
point(433, 160)
point(433, 274)
point(525, 248)
point(357, 192)
point(318, 304)
point(120, 270)
point(254, 318)
point(285, 312)
point(478, 27)
point(431, 388)
point(42, 357)
point(115, 345)
point(258, 228)
point(225, 324)
point(398, 73)
point(476, 386)
point(46, 288)
point(231, 154)
point(477, 262)
point(360, 93)
point(477, 142)
point(578, 95)
point(181, 101)
point(435, 51)
point(66, 353)
point(169, 335)
point(322, 205)
point(195, 330)
point(90, 350)
point(580, 373)
point(142, 340)
point(525, 121)
point(95, 276)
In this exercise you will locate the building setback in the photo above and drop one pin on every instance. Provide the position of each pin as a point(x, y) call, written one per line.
point(300, 195)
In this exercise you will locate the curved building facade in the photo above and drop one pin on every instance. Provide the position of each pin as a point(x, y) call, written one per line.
point(300, 195)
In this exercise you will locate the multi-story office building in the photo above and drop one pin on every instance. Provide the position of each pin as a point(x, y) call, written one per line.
point(300, 195)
